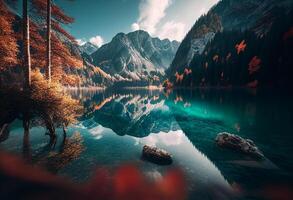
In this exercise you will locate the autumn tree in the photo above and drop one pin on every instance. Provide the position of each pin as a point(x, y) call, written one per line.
point(59, 57)
point(26, 44)
point(26, 58)
point(48, 64)
point(8, 45)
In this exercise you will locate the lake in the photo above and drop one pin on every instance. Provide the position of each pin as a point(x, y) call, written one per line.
point(117, 124)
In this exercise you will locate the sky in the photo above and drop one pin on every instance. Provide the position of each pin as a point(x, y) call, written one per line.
point(98, 21)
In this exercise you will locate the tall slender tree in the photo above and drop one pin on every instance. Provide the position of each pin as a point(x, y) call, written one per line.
point(26, 59)
point(59, 55)
point(48, 67)
point(26, 44)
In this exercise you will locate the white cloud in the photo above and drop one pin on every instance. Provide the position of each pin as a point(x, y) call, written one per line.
point(97, 40)
point(172, 30)
point(203, 10)
point(80, 42)
point(150, 14)
point(135, 27)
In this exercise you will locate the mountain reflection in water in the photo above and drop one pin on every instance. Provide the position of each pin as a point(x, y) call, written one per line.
point(116, 125)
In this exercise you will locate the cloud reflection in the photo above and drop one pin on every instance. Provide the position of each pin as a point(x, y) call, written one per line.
point(171, 138)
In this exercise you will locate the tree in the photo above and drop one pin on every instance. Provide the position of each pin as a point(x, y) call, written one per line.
point(59, 55)
point(26, 59)
point(8, 45)
point(48, 67)
point(26, 44)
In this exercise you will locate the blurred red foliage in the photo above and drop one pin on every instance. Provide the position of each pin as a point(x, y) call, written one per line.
point(127, 183)
point(288, 34)
point(254, 65)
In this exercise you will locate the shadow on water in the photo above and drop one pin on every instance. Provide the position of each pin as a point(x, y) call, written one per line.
point(26, 148)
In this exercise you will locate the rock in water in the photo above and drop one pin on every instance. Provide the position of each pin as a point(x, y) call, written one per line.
point(156, 155)
point(240, 144)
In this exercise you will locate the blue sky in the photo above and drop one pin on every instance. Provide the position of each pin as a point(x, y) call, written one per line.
point(99, 21)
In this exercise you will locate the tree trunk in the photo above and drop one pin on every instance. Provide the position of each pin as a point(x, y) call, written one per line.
point(26, 46)
point(64, 131)
point(26, 148)
point(26, 122)
point(50, 127)
point(48, 69)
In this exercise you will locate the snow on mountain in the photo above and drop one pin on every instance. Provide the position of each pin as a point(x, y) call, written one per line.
point(88, 48)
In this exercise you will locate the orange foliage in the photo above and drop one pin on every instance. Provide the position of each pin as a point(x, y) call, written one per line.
point(62, 56)
point(70, 80)
point(240, 47)
point(167, 84)
point(8, 46)
point(104, 102)
point(179, 78)
point(57, 14)
point(102, 73)
point(254, 65)
point(187, 71)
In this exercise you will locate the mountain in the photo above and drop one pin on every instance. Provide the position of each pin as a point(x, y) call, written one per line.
point(135, 56)
point(237, 43)
point(88, 48)
point(227, 15)
point(88, 74)
point(137, 115)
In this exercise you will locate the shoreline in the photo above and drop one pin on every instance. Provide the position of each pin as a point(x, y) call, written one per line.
point(85, 88)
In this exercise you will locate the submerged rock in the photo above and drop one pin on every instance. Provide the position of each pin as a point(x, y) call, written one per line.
point(240, 144)
point(156, 155)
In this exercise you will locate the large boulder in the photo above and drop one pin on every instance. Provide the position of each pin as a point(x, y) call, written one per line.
point(156, 155)
point(237, 143)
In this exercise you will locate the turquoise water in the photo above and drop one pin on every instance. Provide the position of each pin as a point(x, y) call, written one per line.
point(116, 125)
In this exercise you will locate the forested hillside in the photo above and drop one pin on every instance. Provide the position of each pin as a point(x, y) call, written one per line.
point(238, 57)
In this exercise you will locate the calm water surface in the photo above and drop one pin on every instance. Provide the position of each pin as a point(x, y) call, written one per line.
point(116, 125)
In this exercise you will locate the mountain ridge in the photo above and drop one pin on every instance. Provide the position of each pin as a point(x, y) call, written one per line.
point(88, 48)
point(135, 56)
point(255, 15)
